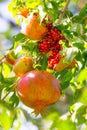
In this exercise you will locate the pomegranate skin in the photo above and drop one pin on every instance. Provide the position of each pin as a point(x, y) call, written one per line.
point(62, 65)
point(10, 59)
point(33, 29)
point(38, 89)
point(23, 65)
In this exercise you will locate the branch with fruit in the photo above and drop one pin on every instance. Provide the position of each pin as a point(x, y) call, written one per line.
point(39, 88)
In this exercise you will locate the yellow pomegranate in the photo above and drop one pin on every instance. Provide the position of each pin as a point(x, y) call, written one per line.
point(38, 89)
point(62, 65)
point(33, 29)
point(23, 65)
point(9, 58)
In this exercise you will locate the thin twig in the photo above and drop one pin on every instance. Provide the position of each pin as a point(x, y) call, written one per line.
point(63, 12)
point(1, 60)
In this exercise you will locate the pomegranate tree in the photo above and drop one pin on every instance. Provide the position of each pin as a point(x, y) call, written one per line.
point(38, 89)
point(44, 65)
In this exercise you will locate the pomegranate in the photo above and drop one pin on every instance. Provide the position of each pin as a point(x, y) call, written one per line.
point(62, 65)
point(33, 28)
point(10, 58)
point(38, 89)
point(23, 65)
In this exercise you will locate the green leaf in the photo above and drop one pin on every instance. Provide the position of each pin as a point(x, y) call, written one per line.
point(43, 62)
point(31, 47)
point(79, 45)
point(83, 11)
point(19, 37)
point(78, 111)
point(82, 75)
point(65, 78)
point(52, 116)
point(68, 76)
point(85, 54)
point(83, 96)
point(71, 53)
point(63, 124)
point(55, 5)
point(9, 83)
point(64, 85)
point(6, 119)
point(1, 77)
point(14, 101)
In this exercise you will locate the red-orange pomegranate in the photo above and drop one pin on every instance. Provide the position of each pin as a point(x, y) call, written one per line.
point(38, 89)
point(33, 28)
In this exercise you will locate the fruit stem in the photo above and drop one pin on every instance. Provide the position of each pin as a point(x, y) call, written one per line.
point(1, 60)
point(63, 12)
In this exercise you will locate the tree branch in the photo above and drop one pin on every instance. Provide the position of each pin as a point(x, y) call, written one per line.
point(1, 60)
point(63, 12)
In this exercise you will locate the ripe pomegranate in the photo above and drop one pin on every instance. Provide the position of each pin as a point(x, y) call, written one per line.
point(38, 89)
point(23, 65)
point(33, 28)
point(62, 65)
point(10, 58)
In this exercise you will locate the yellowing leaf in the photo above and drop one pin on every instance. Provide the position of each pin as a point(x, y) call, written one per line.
point(6, 70)
point(83, 96)
point(33, 5)
point(82, 75)
point(85, 45)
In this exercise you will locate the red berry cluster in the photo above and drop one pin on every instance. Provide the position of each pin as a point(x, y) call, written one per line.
point(53, 60)
point(50, 42)
point(44, 45)
point(55, 35)
point(54, 56)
